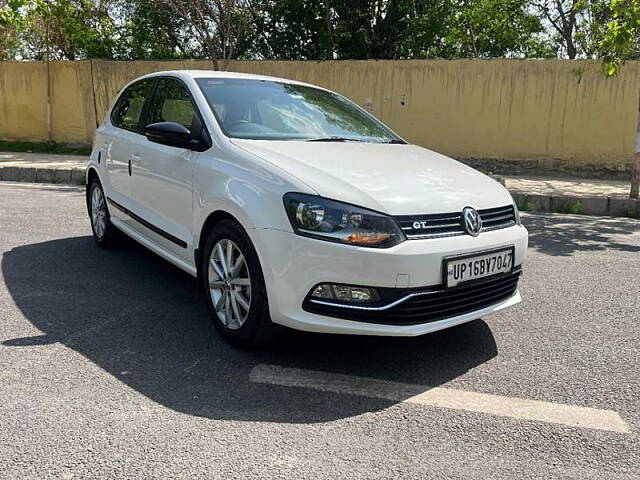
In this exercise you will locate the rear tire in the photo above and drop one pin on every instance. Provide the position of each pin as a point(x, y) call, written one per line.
point(233, 283)
point(104, 233)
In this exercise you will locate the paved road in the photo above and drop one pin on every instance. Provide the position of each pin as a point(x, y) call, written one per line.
point(110, 368)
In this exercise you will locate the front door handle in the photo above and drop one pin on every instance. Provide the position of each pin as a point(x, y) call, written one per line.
point(133, 158)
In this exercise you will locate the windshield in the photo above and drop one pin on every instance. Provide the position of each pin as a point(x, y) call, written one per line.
point(268, 110)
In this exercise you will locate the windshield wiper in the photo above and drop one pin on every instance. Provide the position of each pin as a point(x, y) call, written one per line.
point(396, 141)
point(334, 139)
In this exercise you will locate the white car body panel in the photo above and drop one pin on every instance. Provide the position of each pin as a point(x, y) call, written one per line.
point(305, 262)
point(161, 188)
point(176, 190)
point(393, 179)
point(118, 148)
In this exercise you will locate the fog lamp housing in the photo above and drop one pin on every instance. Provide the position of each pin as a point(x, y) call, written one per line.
point(344, 293)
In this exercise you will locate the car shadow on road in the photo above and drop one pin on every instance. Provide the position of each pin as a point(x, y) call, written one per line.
point(145, 322)
point(563, 235)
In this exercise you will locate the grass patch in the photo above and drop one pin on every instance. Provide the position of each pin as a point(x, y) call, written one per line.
point(43, 147)
point(634, 211)
point(525, 205)
point(574, 207)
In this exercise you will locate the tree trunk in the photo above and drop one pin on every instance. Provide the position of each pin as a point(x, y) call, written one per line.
point(472, 35)
point(635, 178)
point(327, 19)
point(571, 49)
point(211, 46)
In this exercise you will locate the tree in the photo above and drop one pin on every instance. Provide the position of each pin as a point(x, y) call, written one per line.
point(575, 28)
point(491, 28)
point(292, 29)
point(218, 26)
point(424, 30)
point(591, 25)
point(562, 15)
point(380, 29)
point(65, 30)
point(151, 30)
point(369, 28)
point(11, 26)
point(621, 40)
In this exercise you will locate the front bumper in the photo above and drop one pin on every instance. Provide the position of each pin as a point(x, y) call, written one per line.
point(292, 265)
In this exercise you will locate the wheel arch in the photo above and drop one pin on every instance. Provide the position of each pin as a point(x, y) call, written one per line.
point(210, 222)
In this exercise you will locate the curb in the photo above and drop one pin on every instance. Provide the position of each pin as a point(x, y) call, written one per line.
point(73, 176)
point(598, 206)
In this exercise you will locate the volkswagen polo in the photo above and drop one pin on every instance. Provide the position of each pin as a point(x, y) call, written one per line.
point(294, 207)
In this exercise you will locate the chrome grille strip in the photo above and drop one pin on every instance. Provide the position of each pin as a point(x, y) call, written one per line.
point(495, 219)
point(440, 225)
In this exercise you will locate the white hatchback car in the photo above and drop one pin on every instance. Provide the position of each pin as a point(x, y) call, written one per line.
point(295, 207)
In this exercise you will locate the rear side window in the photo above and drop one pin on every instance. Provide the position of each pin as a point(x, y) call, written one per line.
point(171, 102)
point(126, 113)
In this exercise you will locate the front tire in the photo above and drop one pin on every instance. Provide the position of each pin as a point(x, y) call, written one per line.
point(234, 285)
point(104, 233)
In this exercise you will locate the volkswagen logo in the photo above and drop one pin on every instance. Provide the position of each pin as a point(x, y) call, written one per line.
point(471, 221)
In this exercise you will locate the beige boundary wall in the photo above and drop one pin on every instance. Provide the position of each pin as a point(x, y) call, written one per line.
point(535, 112)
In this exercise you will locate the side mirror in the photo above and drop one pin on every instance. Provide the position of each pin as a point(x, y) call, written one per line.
point(169, 133)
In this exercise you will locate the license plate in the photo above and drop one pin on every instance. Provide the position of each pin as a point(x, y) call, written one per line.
point(471, 267)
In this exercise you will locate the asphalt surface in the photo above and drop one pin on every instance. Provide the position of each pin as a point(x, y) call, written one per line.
point(110, 368)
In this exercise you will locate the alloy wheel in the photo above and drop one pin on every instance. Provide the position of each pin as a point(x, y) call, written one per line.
point(98, 212)
point(229, 284)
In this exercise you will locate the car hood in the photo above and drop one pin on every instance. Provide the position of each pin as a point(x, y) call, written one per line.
point(390, 178)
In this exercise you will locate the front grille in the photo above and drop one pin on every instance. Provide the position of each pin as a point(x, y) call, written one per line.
point(450, 224)
point(427, 305)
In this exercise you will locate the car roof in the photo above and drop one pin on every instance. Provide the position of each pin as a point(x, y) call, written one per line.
point(223, 74)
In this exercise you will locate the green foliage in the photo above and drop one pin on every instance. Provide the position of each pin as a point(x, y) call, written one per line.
point(381, 29)
point(151, 31)
point(369, 28)
point(320, 29)
point(591, 24)
point(622, 38)
point(568, 206)
point(220, 29)
point(291, 30)
point(493, 28)
point(64, 29)
point(633, 210)
point(524, 204)
point(43, 147)
point(423, 33)
point(12, 26)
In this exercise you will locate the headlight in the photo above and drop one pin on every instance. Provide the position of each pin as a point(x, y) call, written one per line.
point(318, 217)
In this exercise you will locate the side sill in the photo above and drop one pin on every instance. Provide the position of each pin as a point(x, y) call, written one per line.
point(150, 226)
point(164, 253)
